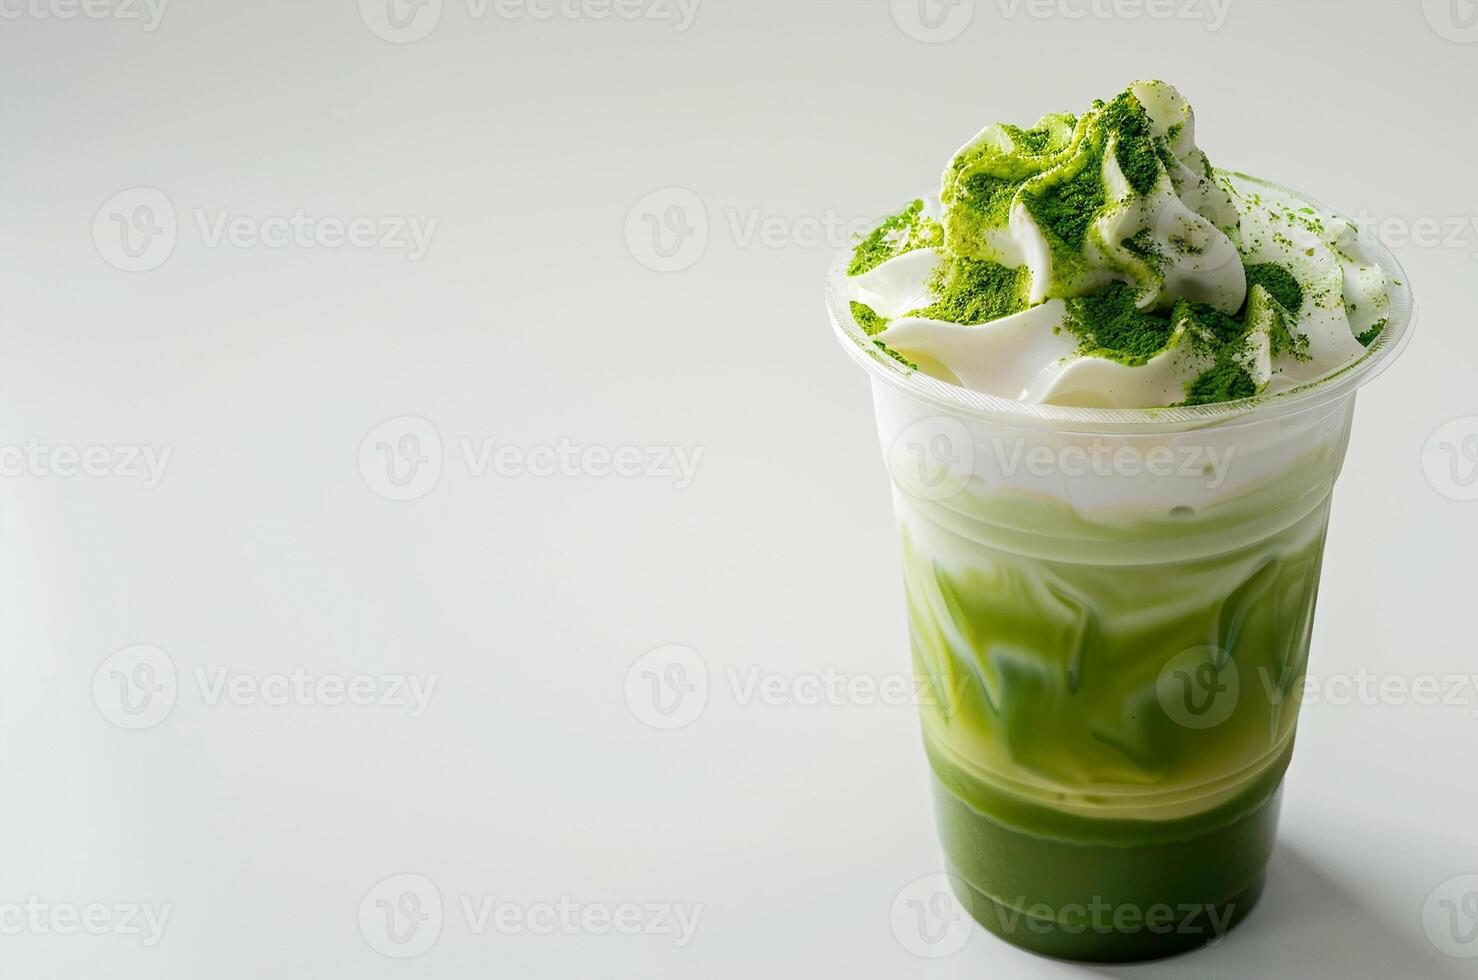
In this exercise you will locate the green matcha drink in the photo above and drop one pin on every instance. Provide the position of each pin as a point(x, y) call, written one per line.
point(1114, 388)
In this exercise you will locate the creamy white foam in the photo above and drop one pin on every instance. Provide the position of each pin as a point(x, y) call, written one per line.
point(1201, 231)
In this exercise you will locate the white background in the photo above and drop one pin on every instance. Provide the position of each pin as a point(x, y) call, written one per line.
point(536, 315)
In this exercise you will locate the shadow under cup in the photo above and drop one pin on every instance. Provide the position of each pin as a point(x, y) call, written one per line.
point(1110, 614)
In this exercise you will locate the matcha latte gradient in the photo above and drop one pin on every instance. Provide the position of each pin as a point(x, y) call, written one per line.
point(1114, 389)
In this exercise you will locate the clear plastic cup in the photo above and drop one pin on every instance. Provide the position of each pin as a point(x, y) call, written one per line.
point(1113, 611)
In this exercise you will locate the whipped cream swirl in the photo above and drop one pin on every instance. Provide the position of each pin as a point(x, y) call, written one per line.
point(1100, 261)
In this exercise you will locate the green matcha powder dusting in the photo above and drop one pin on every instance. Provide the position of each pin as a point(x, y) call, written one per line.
point(973, 291)
point(1057, 170)
point(896, 234)
point(868, 319)
point(1279, 282)
point(1225, 382)
point(1066, 205)
point(1110, 324)
point(872, 324)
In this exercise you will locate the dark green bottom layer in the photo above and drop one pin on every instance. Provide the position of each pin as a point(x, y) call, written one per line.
point(1105, 903)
